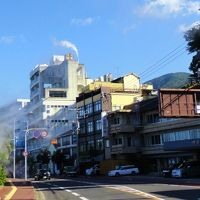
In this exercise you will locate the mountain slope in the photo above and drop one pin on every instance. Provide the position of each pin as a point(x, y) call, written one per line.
point(171, 80)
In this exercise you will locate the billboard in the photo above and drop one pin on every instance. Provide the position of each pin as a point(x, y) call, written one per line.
point(179, 102)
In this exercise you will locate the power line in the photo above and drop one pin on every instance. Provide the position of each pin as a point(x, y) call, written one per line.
point(164, 59)
point(163, 64)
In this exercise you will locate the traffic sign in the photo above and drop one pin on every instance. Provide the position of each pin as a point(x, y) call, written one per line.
point(25, 153)
point(44, 134)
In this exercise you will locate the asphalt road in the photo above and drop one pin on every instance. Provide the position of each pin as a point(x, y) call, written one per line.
point(118, 188)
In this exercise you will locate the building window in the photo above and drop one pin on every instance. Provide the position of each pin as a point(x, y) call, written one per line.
point(129, 141)
point(116, 121)
point(155, 139)
point(82, 128)
point(98, 125)
point(57, 94)
point(89, 109)
point(181, 135)
point(83, 147)
point(90, 127)
point(107, 143)
point(99, 144)
point(152, 118)
point(66, 140)
point(97, 106)
point(128, 120)
point(91, 145)
point(118, 141)
point(81, 112)
point(74, 139)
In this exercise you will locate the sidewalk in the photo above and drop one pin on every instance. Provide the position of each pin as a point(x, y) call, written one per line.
point(17, 189)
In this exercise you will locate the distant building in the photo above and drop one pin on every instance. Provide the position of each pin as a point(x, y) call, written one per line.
point(53, 92)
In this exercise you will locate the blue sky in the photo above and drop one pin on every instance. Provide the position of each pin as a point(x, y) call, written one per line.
point(111, 36)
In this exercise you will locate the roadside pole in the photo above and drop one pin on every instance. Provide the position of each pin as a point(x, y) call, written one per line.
point(14, 150)
point(25, 150)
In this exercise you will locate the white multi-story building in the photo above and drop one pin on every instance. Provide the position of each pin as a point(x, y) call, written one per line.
point(53, 92)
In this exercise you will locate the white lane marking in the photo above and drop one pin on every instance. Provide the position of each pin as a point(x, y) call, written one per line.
point(124, 189)
point(83, 198)
point(134, 191)
point(68, 190)
point(75, 194)
point(185, 186)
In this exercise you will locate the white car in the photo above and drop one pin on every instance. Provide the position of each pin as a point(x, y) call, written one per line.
point(124, 170)
point(92, 170)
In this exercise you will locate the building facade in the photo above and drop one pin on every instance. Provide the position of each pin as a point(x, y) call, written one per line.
point(53, 92)
point(152, 142)
point(98, 99)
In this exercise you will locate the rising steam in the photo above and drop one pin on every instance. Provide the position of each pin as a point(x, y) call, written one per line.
point(66, 44)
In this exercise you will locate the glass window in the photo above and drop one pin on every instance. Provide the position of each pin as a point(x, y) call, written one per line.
point(66, 140)
point(129, 142)
point(90, 127)
point(89, 108)
point(81, 112)
point(99, 144)
point(57, 94)
point(97, 106)
point(98, 124)
point(90, 144)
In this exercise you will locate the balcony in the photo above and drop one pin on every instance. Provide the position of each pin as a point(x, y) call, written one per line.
point(182, 145)
point(34, 81)
point(170, 125)
point(153, 149)
point(122, 149)
point(121, 128)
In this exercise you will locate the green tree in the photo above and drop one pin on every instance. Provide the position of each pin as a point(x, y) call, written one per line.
point(44, 157)
point(2, 175)
point(192, 36)
point(59, 158)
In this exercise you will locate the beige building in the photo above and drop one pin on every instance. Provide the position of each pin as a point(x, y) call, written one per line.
point(53, 91)
point(97, 100)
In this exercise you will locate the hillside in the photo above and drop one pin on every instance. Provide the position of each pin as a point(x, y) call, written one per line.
point(171, 80)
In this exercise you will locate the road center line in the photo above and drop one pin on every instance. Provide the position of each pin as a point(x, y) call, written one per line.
point(124, 189)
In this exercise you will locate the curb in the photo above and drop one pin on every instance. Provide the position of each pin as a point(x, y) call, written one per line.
point(12, 192)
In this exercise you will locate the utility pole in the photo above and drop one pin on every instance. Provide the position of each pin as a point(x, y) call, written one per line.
point(14, 150)
point(25, 150)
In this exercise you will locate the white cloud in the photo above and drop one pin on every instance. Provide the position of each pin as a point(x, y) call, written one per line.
point(128, 29)
point(160, 8)
point(7, 39)
point(82, 22)
point(184, 27)
point(66, 44)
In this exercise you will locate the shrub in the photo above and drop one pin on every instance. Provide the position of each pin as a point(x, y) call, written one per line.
point(2, 175)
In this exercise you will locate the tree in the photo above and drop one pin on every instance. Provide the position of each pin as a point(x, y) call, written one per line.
point(44, 157)
point(192, 36)
point(59, 158)
point(2, 175)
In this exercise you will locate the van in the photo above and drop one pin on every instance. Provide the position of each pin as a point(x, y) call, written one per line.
point(187, 169)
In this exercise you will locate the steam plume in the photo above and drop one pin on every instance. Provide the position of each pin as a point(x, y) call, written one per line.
point(66, 44)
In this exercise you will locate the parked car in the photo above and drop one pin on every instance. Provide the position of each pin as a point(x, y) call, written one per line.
point(124, 170)
point(70, 171)
point(94, 170)
point(187, 169)
point(42, 175)
point(168, 171)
